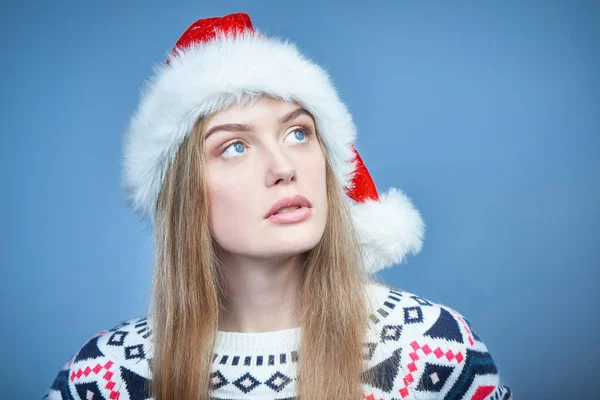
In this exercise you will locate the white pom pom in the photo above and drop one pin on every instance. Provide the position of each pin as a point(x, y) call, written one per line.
point(388, 229)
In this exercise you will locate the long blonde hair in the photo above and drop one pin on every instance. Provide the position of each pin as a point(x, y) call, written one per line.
point(187, 288)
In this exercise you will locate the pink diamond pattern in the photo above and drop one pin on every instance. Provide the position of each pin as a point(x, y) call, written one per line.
point(412, 366)
point(426, 349)
point(110, 384)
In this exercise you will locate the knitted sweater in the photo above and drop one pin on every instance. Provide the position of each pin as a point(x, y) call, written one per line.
point(414, 349)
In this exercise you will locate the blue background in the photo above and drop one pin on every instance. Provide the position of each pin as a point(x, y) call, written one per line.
point(485, 113)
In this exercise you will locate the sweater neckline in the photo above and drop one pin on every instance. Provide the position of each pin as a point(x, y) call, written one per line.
point(286, 338)
point(244, 340)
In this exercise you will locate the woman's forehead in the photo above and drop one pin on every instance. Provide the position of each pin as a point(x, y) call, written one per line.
point(262, 109)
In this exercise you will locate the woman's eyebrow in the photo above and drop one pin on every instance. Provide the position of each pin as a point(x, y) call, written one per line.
point(247, 128)
point(291, 115)
point(229, 128)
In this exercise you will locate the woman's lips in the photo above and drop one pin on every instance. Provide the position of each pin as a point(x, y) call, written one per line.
point(289, 217)
point(293, 201)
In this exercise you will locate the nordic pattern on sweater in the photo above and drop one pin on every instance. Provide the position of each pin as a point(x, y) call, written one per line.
point(415, 349)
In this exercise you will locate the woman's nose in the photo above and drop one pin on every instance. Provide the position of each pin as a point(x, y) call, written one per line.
point(279, 167)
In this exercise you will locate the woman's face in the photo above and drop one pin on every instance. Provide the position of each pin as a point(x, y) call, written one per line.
point(255, 155)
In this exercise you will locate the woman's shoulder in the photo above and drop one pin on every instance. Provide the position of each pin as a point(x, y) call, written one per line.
point(417, 345)
point(108, 363)
point(420, 318)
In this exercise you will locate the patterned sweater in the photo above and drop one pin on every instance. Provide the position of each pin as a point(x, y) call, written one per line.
point(415, 349)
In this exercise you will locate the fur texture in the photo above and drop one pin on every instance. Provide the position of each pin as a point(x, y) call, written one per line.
point(207, 77)
point(388, 230)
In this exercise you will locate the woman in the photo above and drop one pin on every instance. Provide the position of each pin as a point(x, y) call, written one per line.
point(267, 225)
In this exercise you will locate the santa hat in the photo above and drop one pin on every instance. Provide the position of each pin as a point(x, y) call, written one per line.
point(220, 61)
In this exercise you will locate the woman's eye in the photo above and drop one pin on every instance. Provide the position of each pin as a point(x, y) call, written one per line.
point(236, 147)
point(299, 134)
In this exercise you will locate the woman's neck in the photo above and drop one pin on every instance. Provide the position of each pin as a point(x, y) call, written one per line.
point(261, 295)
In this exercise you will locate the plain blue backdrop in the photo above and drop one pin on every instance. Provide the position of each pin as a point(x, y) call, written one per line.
point(486, 114)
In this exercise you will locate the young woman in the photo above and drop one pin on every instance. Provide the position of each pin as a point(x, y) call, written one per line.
point(267, 225)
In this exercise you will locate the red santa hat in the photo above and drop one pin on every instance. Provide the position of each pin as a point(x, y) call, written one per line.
point(224, 60)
